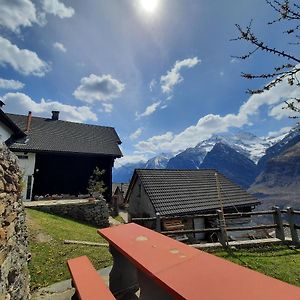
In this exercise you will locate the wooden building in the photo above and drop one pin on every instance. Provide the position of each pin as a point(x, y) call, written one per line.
point(58, 157)
point(185, 192)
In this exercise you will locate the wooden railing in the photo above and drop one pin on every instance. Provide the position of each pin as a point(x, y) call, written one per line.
point(221, 229)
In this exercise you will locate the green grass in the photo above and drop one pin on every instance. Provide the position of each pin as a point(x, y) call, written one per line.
point(120, 219)
point(49, 253)
point(279, 262)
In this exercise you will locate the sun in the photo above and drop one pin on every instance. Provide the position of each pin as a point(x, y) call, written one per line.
point(149, 5)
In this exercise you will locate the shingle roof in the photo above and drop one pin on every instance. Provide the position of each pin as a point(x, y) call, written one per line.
point(18, 133)
point(62, 136)
point(187, 191)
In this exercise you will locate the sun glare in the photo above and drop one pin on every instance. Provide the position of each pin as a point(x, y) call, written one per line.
point(149, 5)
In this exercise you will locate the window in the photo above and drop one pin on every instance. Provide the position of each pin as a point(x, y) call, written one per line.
point(29, 184)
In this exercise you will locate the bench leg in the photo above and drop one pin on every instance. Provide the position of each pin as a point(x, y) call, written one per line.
point(149, 290)
point(75, 296)
point(123, 281)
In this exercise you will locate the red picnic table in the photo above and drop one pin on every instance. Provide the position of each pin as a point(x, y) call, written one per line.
point(164, 268)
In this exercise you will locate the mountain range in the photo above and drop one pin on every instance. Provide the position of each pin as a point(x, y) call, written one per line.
point(264, 165)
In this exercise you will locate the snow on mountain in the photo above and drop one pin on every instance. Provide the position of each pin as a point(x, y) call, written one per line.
point(245, 143)
point(159, 161)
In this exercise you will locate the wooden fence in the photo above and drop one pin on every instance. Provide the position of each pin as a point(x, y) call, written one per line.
point(222, 230)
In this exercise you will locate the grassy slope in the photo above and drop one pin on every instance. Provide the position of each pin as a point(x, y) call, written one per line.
point(280, 262)
point(49, 253)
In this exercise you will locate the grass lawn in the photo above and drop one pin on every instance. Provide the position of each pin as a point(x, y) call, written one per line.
point(277, 261)
point(49, 253)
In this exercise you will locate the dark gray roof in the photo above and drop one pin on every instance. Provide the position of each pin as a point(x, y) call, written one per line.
point(62, 136)
point(188, 191)
point(17, 132)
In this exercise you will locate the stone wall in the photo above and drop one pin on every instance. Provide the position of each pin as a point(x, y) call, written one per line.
point(14, 276)
point(94, 212)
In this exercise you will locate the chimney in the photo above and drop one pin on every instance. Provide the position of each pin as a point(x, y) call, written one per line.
point(28, 124)
point(55, 114)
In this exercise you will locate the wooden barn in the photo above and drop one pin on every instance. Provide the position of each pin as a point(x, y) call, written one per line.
point(58, 157)
point(185, 192)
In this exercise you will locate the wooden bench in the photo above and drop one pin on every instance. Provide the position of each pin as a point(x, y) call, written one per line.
point(164, 268)
point(86, 281)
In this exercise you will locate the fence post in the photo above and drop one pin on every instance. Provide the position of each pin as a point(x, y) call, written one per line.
point(291, 220)
point(278, 221)
point(158, 223)
point(222, 234)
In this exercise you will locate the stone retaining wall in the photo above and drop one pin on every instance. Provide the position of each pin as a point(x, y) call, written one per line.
point(94, 212)
point(14, 276)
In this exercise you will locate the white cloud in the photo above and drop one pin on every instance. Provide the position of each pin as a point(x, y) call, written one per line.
point(152, 84)
point(148, 111)
point(98, 88)
point(21, 60)
point(222, 73)
point(233, 60)
point(107, 107)
point(15, 14)
point(280, 111)
point(60, 47)
point(212, 124)
point(11, 84)
point(135, 135)
point(280, 132)
point(58, 8)
point(130, 159)
point(21, 103)
point(173, 77)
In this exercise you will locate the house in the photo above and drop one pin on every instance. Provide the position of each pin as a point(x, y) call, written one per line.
point(58, 157)
point(185, 192)
point(119, 191)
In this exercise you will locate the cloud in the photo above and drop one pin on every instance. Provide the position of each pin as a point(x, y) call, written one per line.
point(222, 73)
point(152, 84)
point(58, 8)
point(135, 135)
point(130, 159)
point(11, 84)
point(173, 77)
point(280, 111)
point(212, 124)
point(107, 107)
point(21, 103)
point(15, 14)
point(60, 47)
point(98, 88)
point(282, 131)
point(23, 61)
point(148, 111)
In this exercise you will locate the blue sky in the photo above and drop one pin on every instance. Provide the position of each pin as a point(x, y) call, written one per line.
point(160, 72)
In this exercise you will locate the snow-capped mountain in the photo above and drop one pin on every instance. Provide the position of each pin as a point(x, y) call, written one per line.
point(245, 143)
point(159, 161)
point(234, 165)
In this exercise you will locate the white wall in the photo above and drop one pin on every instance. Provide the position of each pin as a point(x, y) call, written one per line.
point(26, 163)
point(5, 133)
